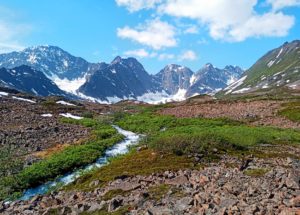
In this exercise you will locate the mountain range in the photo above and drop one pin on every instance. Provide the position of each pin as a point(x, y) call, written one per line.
point(123, 78)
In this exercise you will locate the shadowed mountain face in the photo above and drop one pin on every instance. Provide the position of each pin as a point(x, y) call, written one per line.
point(122, 78)
point(26, 79)
point(210, 79)
point(174, 77)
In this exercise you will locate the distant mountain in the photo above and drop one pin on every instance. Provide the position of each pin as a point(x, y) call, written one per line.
point(26, 79)
point(279, 68)
point(210, 79)
point(122, 78)
point(51, 60)
point(174, 77)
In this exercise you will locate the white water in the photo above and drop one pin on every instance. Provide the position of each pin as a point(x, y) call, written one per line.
point(118, 149)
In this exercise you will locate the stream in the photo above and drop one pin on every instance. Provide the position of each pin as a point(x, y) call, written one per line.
point(118, 149)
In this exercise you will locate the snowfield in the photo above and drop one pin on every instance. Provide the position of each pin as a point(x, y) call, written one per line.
point(65, 103)
point(24, 100)
point(69, 115)
point(3, 94)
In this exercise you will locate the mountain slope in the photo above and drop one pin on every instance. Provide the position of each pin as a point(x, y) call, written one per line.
point(26, 79)
point(210, 79)
point(123, 78)
point(277, 69)
point(174, 77)
point(51, 60)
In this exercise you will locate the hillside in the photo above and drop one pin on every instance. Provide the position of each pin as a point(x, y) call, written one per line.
point(279, 69)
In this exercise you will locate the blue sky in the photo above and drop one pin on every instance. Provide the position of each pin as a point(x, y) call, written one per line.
point(157, 32)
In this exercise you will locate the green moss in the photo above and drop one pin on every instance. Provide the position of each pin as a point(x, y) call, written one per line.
point(291, 111)
point(113, 193)
point(157, 192)
point(144, 162)
point(256, 172)
point(121, 211)
point(197, 135)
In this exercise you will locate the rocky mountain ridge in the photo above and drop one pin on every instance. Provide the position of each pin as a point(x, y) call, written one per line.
point(123, 78)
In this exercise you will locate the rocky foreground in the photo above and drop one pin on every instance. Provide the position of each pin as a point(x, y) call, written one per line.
point(231, 186)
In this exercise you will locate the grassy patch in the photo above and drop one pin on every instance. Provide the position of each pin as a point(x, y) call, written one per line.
point(113, 193)
point(157, 192)
point(256, 172)
point(70, 158)
point(144, 162)
point(291, 111)
point(206, 136)
point(121, 211)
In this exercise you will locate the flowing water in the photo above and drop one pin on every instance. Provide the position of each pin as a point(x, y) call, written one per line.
point(118, 149)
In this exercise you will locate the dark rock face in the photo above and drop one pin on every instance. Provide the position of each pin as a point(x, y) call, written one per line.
point(210, 79)
point(26, 79)
point(123, 78)
point(174, 77)
point(51, 60)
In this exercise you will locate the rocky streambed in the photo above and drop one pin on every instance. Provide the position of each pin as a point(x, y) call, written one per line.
point(130, 138)
point(230, 186)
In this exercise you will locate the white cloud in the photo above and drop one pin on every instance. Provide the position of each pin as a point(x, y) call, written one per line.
point(230, 20)
point(280, 4)
point(155, 34)
point(188, 55)
point(165, 56)
point(267, 25)
point(141, 53)
point(135, 5)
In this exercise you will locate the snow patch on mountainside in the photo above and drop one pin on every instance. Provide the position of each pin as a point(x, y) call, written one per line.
point(65, 103)
point(193, 79)
point(70, 86)
point(24, 100)
point(69, 115)
point(3, 94)
point(162, 97)
point(235, 85)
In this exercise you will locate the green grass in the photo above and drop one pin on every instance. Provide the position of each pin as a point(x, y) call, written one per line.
point(157, 192)
point(75, 156)
point(255, 172)
point(198, 135)
point(134, 163)
point(291, 111)
point(170, 140)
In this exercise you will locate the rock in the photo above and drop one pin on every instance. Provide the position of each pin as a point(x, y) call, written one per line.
point(184, 203)
point(114, 204)
point(293, 181)
point(125, 186)
point(95, 206)
point(289, 161)
point(227, 203)
point(252, 209)
point(295, 202)
point(179, 180)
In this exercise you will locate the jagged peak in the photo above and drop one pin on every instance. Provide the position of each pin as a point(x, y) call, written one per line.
point(209, 65)
point(117, 59)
